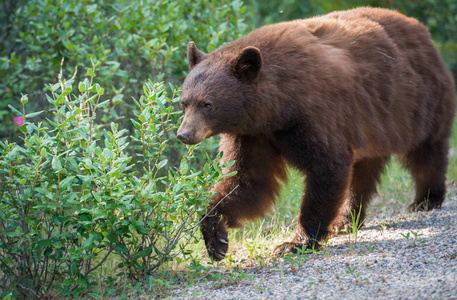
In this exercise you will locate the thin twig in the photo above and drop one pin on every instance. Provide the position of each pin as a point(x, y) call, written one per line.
point(26, 288)
point(100, 263)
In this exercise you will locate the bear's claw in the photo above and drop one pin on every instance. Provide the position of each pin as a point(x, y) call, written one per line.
point(341, 225)
point(425, 205)
point(215, 235)
point(287, 247)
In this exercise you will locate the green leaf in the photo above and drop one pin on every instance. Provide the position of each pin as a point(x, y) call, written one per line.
point(230, 174)
point(55, 218)
point(90, 72)
point(162, 164)
point(216, 167)
point(17, 232)
point(52, 123)
point(98, 150)
point(117, 99)
point(82, 87)
point(23, 128)
point(96, 196)
point(47, 252)
point(82, 282)
point(121, 247)
point(31, 115)
point(50, 100)
point(114, 127)
point(44, 243)
point(207, 168)
point(136, 102)
point(15, 111)
point(143, 253)
point(104, 103)
point(141, 229)
point(56, 165)
point(68, 281)
point(91, 8)
point(112, 237)
point(107, 153)
point(136, 124)
point(89, 242)
point(59, 99)
point(184, 167)
point(67, 181)
point(177, 188)
point(55, 86)
point(91, 99)
point(99, 214)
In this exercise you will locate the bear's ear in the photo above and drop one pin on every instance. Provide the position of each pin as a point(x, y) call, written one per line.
point(248, 63)
point(194, 55)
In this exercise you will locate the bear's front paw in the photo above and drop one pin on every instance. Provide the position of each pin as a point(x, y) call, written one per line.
point(215, 235)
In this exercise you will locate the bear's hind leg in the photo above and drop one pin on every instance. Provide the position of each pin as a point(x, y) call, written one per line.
point(365, 177)
point(428, 164)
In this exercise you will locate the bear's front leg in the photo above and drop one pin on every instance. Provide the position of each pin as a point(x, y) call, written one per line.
point(326, 191)
point(248, 194)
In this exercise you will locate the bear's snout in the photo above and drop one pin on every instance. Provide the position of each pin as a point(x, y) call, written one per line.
point(184, 137)
point(193, 130)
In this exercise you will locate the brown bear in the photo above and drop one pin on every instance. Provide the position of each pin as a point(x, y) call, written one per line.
point(333, 96)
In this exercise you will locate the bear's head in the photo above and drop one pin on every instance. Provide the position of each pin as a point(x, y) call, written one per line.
point(216, 94)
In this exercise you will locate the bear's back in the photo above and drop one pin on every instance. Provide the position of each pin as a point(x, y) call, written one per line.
point(375, 67)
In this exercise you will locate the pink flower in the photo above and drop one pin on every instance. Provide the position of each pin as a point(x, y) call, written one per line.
point(18, 120)
point(7, 90)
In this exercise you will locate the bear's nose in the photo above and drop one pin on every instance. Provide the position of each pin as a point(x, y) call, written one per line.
point(184, 137)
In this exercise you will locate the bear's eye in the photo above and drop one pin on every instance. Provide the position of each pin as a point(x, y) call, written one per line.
point(208, 106)
point(183, 106)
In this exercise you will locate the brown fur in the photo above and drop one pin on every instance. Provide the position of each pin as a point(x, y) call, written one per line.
point(333, 96)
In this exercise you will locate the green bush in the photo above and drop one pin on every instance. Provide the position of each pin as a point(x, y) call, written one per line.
point(133, 40)
point(71, 199)
point(96, 188)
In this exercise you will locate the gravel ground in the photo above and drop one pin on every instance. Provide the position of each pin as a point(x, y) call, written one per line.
point(385, 264)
